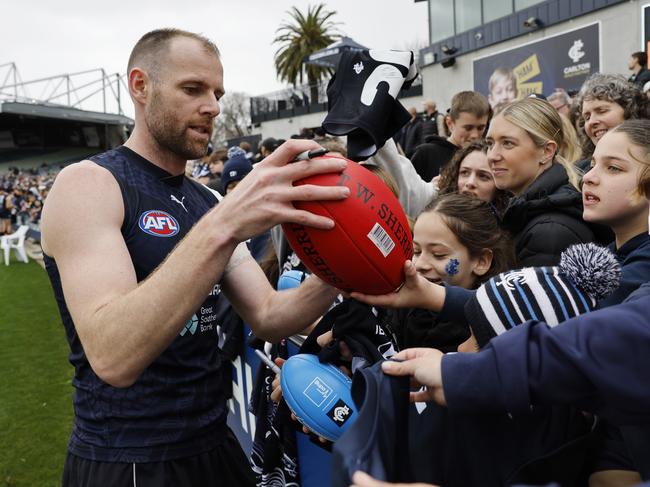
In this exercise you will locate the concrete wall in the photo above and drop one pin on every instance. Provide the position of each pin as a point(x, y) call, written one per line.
point(413, 101)
point(620, 35)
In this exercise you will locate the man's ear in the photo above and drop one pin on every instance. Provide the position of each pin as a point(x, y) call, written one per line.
point(483, 263)
point(139, 85)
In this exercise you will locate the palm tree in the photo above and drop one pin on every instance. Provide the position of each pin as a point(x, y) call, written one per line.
point(301, 36)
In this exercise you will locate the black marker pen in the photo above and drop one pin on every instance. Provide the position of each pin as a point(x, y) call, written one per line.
point(310, 154)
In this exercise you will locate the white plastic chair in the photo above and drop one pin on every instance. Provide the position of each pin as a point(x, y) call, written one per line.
point(15, 241)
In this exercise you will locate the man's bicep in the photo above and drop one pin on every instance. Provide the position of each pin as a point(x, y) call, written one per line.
point(95, 271)
point(81, 231)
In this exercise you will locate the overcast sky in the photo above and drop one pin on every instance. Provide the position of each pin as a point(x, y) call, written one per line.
point(45, 37)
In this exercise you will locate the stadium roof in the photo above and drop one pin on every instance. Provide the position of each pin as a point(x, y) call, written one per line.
point(63, 113)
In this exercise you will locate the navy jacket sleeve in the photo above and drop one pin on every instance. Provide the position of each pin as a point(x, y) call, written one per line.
point(598, 362)
point(634, 272)
point(454, 307)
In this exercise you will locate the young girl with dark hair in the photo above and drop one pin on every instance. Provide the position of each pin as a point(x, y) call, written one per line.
point(456, 240)
point(613, 195)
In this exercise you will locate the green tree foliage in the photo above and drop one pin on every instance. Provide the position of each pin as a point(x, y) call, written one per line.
point(299, 37)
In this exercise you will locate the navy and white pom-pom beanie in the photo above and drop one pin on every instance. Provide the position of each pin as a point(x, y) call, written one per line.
point(586, 274)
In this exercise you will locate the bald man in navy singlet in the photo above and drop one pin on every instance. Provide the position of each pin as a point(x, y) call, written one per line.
point(140, 258)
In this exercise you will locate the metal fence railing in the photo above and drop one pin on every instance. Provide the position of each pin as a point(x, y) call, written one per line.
point(93, 89)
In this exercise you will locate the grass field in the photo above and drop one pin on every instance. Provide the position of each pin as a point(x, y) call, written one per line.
point(35, 380)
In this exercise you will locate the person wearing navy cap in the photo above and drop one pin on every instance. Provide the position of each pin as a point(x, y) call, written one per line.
point(234, 170)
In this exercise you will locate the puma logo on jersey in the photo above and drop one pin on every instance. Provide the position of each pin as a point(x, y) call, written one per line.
point(158, 223)
point(176, 200)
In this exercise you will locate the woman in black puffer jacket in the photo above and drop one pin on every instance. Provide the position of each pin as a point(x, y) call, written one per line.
point(545, 212)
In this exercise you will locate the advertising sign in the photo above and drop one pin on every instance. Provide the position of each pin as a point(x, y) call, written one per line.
point(560, 61)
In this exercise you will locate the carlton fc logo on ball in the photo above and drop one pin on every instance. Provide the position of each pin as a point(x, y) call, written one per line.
point(158, 223)
point(340, 413)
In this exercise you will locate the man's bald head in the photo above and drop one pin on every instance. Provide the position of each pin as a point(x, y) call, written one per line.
point(150, 51)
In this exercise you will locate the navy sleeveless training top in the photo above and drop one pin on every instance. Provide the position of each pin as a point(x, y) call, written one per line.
point(177, 407)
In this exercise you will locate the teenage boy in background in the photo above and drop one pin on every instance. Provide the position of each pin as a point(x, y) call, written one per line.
point(467, 120)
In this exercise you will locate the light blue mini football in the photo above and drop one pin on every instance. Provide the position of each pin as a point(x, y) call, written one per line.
point(319, 395)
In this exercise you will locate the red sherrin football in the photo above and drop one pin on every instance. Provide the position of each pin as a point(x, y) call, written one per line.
point(371, 239)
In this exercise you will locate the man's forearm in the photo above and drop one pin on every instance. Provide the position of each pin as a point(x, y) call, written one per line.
point(289, 312)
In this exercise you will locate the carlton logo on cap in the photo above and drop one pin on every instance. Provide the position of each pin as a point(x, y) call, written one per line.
point(158, 223)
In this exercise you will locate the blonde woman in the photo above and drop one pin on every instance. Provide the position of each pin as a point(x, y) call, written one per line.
point(545, 212)
point(572, 149)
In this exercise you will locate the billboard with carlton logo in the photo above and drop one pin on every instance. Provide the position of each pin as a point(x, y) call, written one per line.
point(561, 61)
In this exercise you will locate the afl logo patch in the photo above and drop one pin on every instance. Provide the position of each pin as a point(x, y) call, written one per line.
point(158, 223)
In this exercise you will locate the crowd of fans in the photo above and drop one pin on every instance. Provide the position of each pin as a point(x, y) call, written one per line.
point(210, 169)
point(493, 184)
point(22, 194)
point(499, 184)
